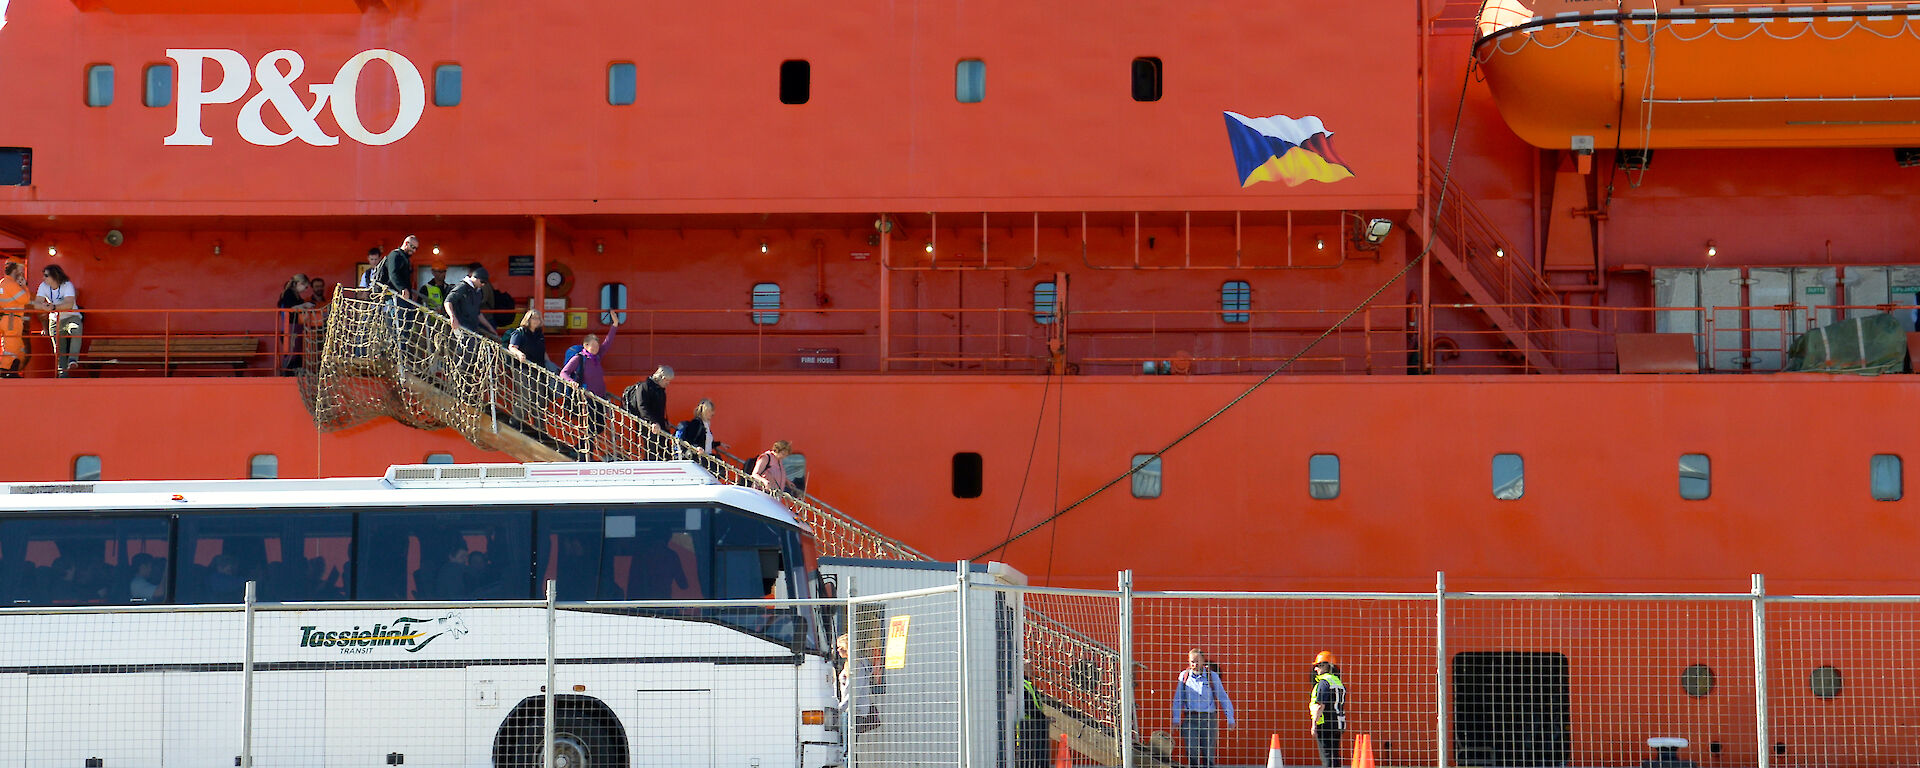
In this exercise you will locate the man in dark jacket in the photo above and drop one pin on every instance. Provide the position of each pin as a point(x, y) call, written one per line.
point(397, 271)
point(464, 303)
point(648, 400)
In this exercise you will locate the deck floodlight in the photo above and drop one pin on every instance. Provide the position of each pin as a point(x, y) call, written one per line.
point(1377, 230)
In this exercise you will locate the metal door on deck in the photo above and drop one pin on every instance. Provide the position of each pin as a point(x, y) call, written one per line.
point(1680, 290)
point(1721, 288)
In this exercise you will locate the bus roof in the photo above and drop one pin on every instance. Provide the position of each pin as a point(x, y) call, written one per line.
point(412, 485)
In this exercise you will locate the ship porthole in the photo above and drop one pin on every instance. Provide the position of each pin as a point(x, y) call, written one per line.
point(1825, 682)
point(1697, 680)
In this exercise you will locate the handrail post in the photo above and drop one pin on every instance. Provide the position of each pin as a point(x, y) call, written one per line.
point(546, 727)
point(246, 685)
point(1760, 667)
point(963, 678)
point(1126, 670)
point(886, 287)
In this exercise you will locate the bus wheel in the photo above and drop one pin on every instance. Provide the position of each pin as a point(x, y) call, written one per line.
point(569, 751)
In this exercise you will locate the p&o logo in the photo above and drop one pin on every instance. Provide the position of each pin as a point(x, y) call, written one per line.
point(277, 73)
point(407, 633)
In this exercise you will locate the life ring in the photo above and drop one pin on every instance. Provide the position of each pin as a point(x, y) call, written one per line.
point(559, 280)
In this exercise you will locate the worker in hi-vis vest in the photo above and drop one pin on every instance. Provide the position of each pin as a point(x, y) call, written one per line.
point(13, 319)
point(434, 292)
point(1328, 707)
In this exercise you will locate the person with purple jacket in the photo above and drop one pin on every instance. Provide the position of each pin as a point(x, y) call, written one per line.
point(589, 377)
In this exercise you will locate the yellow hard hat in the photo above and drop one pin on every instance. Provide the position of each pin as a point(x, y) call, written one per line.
point(1325, 657)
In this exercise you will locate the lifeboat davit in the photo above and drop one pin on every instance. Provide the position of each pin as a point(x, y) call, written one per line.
point(1658, 74)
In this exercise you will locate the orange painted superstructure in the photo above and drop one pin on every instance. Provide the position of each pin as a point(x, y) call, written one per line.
point(909, 233)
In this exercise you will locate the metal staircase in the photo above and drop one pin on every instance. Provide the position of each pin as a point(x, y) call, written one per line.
point(1504, 287)
point(384, 358)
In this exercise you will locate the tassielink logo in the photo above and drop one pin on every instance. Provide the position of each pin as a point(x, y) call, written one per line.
point(406, 632)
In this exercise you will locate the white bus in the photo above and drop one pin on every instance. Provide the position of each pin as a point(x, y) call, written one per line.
point(401, 621)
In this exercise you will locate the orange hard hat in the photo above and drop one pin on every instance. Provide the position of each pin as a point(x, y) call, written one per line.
point(1325, 657)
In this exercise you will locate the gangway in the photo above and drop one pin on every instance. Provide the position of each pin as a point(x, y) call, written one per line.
point(383, 357)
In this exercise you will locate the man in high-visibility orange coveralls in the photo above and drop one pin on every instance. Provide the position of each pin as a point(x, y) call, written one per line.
point(13, 319)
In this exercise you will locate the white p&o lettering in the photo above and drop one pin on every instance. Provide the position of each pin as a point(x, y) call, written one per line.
point(277, 90)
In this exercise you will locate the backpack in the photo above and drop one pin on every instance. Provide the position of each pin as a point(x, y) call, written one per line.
point(571, 351)
point(630, 399)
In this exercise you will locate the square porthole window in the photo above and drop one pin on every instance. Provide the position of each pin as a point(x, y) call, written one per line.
point(1045, 302)
point(86, 469)
point(100, 85)
point(446, 85)
point(1146, 476)
point(1509, 476)
point(1696, 476)
point(765, 301)
point(1236, 299)
point(159, 90)
point(622, 83)
point(1323, 476)
point(613, 297)
point(796, 81)
point(439, 458)
point(263, 466)
point(970, 81)
point(1885, 476)
point(1146, 78)
point(967, 475)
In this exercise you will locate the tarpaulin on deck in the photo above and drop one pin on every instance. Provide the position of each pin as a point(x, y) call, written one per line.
point(1866, 345)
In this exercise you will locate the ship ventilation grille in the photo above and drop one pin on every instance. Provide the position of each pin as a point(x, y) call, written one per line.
point(462, 473)
point(52, 488)
point(413, 473)
point(513, 473)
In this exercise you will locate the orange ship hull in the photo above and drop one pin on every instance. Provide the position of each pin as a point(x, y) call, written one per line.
point(1676, 74)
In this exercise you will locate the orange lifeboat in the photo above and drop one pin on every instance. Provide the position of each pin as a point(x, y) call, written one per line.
point(1647, 74)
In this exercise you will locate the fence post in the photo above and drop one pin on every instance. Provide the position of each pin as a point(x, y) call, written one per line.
point(246, 687)
point(1125, 739)
point(1440, 735)
point(966, 655)
point(1760, 667)
point(546, 727)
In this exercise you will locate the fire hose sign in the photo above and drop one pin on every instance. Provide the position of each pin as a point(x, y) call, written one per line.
point(897, 642)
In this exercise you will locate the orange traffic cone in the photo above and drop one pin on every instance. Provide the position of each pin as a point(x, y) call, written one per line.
point(1063, 755)
point(1363, 751)
point(1273, 753)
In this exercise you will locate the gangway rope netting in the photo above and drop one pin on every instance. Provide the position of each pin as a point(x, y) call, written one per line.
point(383, 357)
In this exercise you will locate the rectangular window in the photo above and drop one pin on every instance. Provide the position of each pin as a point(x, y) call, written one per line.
point(159, 91)
point(264, 466)
point(1045, 302)
point(765, 301)
point(796, 81)
point(647, 553)
point(446, 85)
point(796, 466)
point(613, 296)
point(291, 557)
point(86, 469)
point(1509, 476)
point(1146, 78)
point(1696, 476)
point(1236, 298)
point(16, 167)
point(417, 555)
point(1146, 478)
point(622, 83)
point(83, 561)
point(100, 85)
point(967, 470)
point(1887, 482)
point(1323, 476)
point(970, 81)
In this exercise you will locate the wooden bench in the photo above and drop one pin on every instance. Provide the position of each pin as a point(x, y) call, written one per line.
point(1655, 353)
point(171, 352)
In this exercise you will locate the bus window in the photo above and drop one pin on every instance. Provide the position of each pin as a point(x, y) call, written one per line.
point(87, 561)
point(466, 555)
point(292, 556)
point(656, 553)
point(748, 558)
point(569, 541)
